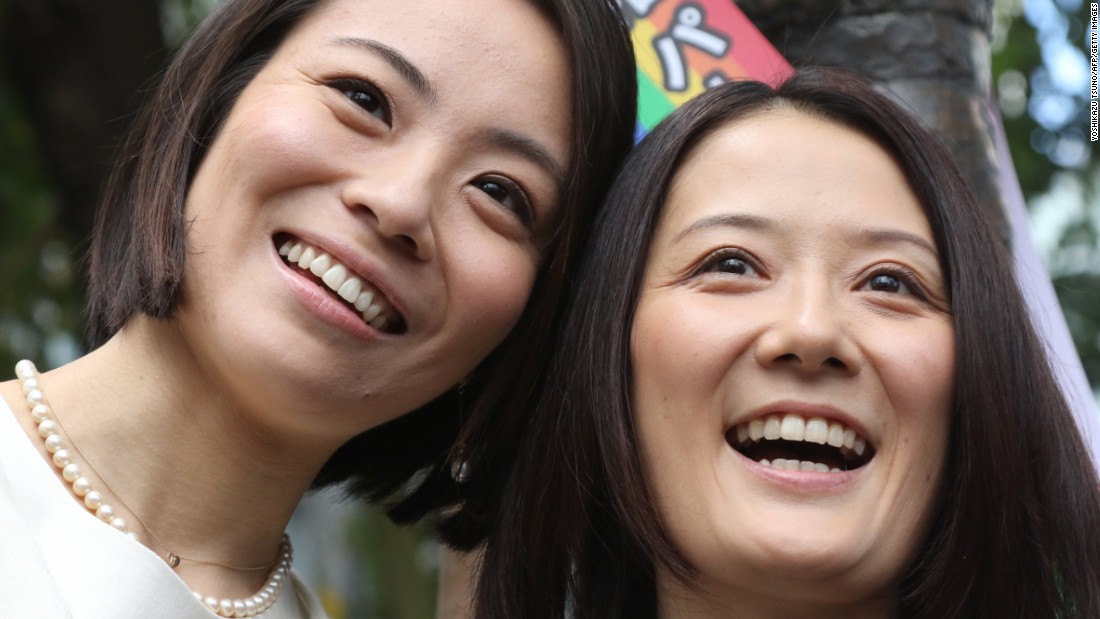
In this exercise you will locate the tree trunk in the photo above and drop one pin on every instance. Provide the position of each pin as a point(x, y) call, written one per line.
point(930, 55)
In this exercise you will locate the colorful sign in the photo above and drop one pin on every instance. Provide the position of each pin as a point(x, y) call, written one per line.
point(686, 46)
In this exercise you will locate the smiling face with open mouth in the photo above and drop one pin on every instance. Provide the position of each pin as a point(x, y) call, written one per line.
point(792, 354)
point(367, 225)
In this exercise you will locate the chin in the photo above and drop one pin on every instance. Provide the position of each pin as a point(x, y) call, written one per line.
point(805, 555)
point(830, 569)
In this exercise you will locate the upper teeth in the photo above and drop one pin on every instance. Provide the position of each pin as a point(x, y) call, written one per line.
point(792, 427)
point(351, 288)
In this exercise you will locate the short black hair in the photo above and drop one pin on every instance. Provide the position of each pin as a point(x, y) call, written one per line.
point(137, 252)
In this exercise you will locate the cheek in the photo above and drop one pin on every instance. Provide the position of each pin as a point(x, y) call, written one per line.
point(922, 374)
point(269, 143)
point(918, 375)
point(683, 345)
point(488, 283)
point(681, 361)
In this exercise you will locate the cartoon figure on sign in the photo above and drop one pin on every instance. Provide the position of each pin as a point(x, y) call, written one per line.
point(686, 46)
point(688, 29)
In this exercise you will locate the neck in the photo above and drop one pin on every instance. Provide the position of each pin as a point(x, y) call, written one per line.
point(677, 600)
point(187, 458)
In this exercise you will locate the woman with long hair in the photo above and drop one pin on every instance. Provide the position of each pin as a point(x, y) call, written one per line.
point(797, 379)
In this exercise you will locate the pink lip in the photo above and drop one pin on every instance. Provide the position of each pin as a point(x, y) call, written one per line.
point(358, 264)
point(802, 481)
point(322, 305)
point(319, 302)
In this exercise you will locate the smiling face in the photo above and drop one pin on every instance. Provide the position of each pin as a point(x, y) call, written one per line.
point(366, 227)
point(793, 362)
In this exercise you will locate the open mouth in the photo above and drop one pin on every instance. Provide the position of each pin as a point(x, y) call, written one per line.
point(348, 287)
point(793, 443)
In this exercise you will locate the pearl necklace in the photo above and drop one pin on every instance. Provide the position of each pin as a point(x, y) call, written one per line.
point(51, 431)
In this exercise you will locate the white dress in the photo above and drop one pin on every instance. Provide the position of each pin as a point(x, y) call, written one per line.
point(57, 560)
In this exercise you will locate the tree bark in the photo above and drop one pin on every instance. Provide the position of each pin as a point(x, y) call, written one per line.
point(932, 56)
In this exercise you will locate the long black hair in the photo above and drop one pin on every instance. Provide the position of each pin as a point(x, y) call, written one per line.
point(576, 533)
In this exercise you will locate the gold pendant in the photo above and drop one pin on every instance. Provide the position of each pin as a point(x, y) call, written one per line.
point(173, 559)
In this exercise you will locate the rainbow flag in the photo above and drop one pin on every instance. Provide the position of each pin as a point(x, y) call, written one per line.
point(686, 46)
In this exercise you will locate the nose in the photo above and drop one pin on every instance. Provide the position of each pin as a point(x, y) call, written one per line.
point(395, 198)
point(809, 333)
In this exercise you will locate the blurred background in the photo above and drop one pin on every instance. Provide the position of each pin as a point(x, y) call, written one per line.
point(73, 71)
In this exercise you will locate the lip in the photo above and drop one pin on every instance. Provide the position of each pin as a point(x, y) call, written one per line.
point(319, 302)
point(802, 481)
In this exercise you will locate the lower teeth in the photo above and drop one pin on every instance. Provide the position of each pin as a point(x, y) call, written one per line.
point(800, 465)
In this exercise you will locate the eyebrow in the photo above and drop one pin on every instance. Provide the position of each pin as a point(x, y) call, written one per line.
point(397, 60)
point(527, 148)
point(886, 236)
point(871, 236)
point(751, 222)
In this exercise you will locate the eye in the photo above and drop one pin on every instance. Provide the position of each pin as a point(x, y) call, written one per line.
point(885, 283)
point(509, 195)
point(895, 280)
point(730, 261)
point(736, 266)
point(365, 95)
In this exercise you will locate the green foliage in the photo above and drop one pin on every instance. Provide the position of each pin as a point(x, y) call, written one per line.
point(401, 566)
point(1077, 294)
point(1023, 53)
point(1018, 52)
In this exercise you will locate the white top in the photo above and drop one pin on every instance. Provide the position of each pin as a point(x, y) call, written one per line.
point(57, 560)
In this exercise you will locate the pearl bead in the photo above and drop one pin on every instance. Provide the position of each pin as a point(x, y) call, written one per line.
point(93, 499)
point(47, 428)
point(81, 486)
point(105, 512)
point(35, 397)
point(25, 369)
point(62, 458)
point(53, 443)
point(71, 471)
point(40, 413)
